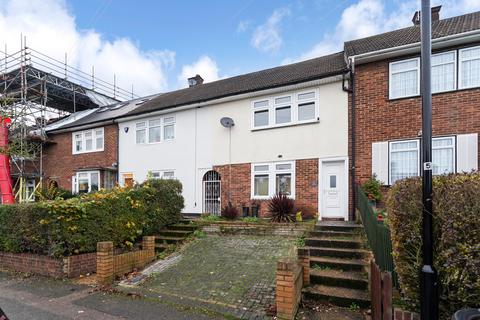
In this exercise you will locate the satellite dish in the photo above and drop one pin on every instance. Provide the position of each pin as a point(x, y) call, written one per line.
point(227, 122)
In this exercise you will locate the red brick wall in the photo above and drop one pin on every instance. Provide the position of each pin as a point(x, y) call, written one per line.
point(239, 190)
point(381, 119)
point(60, 164)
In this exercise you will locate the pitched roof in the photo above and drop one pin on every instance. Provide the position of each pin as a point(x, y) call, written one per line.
point(270, 78)
point(410, 35)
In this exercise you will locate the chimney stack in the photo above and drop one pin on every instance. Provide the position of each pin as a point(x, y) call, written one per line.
point(195, 81)
point(435, 15)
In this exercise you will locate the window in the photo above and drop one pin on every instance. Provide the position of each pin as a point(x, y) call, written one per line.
point(151, 131)
point(443, 155)
point(469, 67)
point(443, 72)
point(88, 141)
point(404, 78)
point(164, 174)
point(88, 181)
point(128, 179)
point(30, 190)
point(404, 159)
point(285, 110)
point(269, 179)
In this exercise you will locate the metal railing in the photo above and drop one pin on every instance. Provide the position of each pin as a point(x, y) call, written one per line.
point(378, 235)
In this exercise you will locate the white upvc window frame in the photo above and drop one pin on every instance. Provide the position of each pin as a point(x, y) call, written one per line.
point(272, 105)
point(82, 140)
point(390, 73)
point(272, 175)
point(460, 60)
point(453, 146)
point(163, 174)
point(89, 178)
point(144, 125)
point(444, 63)
point(417, 149)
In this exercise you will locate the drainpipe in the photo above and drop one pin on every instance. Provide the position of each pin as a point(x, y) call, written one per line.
point(351, 90)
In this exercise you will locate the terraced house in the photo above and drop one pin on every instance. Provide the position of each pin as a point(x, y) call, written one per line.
point(386, 105)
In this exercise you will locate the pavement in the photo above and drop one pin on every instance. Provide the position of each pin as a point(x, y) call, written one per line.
point(37, 298)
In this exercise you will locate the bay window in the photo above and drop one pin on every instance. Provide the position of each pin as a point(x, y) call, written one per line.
point(292, 109)
point(404, 78)
point(469, 67)
point(273, 178)
point(88, 141)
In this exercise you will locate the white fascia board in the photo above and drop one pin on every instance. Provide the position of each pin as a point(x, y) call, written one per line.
point(248, 95)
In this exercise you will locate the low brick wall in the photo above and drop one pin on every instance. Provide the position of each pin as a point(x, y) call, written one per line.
point(110, 265)
point(255, 228)
point(399, 314)
point(67, 267)
point(289, 288)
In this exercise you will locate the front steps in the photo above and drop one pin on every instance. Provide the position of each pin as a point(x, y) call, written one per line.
point(338, 266)
point(174, 234)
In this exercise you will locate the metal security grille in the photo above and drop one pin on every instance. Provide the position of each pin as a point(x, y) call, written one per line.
point(211, 192)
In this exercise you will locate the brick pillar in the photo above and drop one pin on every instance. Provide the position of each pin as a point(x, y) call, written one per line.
point(289, 286)
point(148, 243)
point(304, 259)
point(105, 262)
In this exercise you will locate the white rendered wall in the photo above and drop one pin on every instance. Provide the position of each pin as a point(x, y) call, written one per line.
point(201, 142)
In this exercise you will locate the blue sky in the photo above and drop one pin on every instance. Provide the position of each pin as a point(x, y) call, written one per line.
point(156, 45)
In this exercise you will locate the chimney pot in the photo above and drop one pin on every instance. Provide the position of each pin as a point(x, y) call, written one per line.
point(435, 15)
point(195, 81)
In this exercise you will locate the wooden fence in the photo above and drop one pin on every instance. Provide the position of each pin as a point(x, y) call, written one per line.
point(381, 290)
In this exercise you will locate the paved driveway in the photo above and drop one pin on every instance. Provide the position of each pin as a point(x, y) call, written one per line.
point(234, 274)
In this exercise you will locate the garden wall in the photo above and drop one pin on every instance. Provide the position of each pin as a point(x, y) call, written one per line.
point(257, 229)
point(67, 267)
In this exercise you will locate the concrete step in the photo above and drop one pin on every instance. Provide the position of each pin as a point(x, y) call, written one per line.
point(338, 263)
point(168, 240)
point(337, 252)
point(337, 295)
point(175, 233)
point(182, 226)
point(334, 234)
point(160, 247)
point(337, 226)
point(333, 243)
point(335, 278)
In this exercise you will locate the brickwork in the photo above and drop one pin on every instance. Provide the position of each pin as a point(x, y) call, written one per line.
point(238, 187)
point(257, 229)
point(405, 315)
point(304, 259)
point(67, 267)
point(110, 265)
point(289, 288)
point(381, 119)
point(60, 164)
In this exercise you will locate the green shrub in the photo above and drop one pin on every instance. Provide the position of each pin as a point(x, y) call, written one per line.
point(64, 227)
point(281, 208)
point(456, 203)
point(372, 188)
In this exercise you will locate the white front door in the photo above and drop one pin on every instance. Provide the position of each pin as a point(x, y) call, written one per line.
point(333, 193)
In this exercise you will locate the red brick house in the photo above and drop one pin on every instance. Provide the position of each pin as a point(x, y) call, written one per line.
point(385, 104)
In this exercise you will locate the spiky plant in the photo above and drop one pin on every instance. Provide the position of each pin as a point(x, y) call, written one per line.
point(229, 211)
point(281, 208)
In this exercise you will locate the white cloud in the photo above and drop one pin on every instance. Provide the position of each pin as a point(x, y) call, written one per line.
point(266, 37)
point(369, 17)
point(205, 66)
point(51, 29)
point(243, 26)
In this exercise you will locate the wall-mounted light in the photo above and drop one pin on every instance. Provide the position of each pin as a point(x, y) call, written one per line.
point(125, 129)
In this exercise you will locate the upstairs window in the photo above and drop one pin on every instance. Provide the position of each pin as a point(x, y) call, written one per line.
point(285, 110)
point(155, 130)
point(163, 174)
point(88, 141)
point(469, 67)
point(404, 78)
point(443, 72)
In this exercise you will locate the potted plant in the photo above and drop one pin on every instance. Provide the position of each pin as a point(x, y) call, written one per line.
point(255, 208)
point(245, 210)
point(372, 189)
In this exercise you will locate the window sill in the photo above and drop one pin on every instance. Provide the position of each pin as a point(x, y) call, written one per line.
point(299, 123)
point(86, 152)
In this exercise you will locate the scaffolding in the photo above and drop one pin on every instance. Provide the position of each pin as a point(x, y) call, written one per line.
point(36, 89)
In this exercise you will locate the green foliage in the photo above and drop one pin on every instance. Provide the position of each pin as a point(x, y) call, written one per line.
point(229, 211)
point(354, 307)
point(199, 234)
point(456, 203)
point(300, 242)
point(52, 192)
point(250, 219)
point(64, 227)
point(210, 218)
point(372, 188)
point(281, 208)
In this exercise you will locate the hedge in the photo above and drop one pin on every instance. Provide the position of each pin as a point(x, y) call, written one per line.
point(65, 227)
point(456, 211)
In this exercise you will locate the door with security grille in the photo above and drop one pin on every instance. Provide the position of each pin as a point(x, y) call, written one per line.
point(212, 192)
